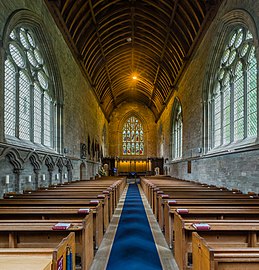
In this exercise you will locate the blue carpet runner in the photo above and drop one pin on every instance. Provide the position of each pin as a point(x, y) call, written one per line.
point(134, 246)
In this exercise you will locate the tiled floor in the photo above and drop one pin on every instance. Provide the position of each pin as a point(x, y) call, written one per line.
point(165, 254)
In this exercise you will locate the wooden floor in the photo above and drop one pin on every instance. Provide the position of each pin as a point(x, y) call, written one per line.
point(165, 254)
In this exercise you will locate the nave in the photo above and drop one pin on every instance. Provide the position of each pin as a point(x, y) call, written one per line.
point(134, 239)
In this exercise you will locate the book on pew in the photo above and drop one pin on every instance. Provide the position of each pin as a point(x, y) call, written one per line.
point(94, 202)
point(201, 226)
point(83, 211)
point(61, 226)
point(172, 202)
point(182, 210)
point(164, 196)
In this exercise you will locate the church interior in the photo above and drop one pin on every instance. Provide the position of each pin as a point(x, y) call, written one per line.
point(129, 134)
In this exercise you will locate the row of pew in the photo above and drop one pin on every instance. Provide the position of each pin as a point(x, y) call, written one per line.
point(41, 220)
point(207, 227)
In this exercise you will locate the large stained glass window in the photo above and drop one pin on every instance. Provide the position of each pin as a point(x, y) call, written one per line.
point(28, 105)
point(233, 100)
point(133, 137)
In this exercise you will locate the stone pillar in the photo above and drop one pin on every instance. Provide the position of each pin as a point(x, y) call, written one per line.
point(60, 176)
point(50, 177)
point(17, 184)
point(36, 183)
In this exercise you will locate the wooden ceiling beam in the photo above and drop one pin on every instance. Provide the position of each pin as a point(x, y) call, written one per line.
point(163, 50)
point(102, 52)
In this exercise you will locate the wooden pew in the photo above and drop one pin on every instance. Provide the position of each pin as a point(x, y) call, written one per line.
point(103, 198)
point(40, 234)
point(40, 258)
point(97, 188)
point(61, 204)
point(206, 212)
point(191, 194)
point(207, 257)
point(89, 193)
point(222, 233)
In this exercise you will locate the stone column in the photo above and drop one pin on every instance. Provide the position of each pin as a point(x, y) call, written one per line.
point(36, 183)
point(17, 184)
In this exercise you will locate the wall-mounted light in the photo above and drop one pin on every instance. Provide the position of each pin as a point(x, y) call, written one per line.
point(43, 177)
point(7, 179)
point(65, 176)
point(29, 178)
point(57, 176)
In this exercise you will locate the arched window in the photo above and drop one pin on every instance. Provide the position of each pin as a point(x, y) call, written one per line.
point(133, 137)
point(177, 132)
point(233, 99)
point(29, 107)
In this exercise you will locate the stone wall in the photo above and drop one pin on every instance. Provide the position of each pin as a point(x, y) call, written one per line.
point(237, 168)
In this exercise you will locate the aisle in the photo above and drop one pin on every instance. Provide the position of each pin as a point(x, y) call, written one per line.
point(134, 246)
point(129, 242)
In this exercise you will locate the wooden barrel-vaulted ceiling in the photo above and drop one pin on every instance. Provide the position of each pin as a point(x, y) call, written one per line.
point(116, 40)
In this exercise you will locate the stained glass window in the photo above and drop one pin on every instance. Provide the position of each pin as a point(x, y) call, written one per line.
point(28, 105)
point(233, 100)
point(133, 137)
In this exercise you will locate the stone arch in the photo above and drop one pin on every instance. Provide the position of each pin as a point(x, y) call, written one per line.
point(35, 161)
point(83, 172)
point(14, 158)
point(18, 165)
point(48, 160)
point(60, 165)
point(69, 167)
